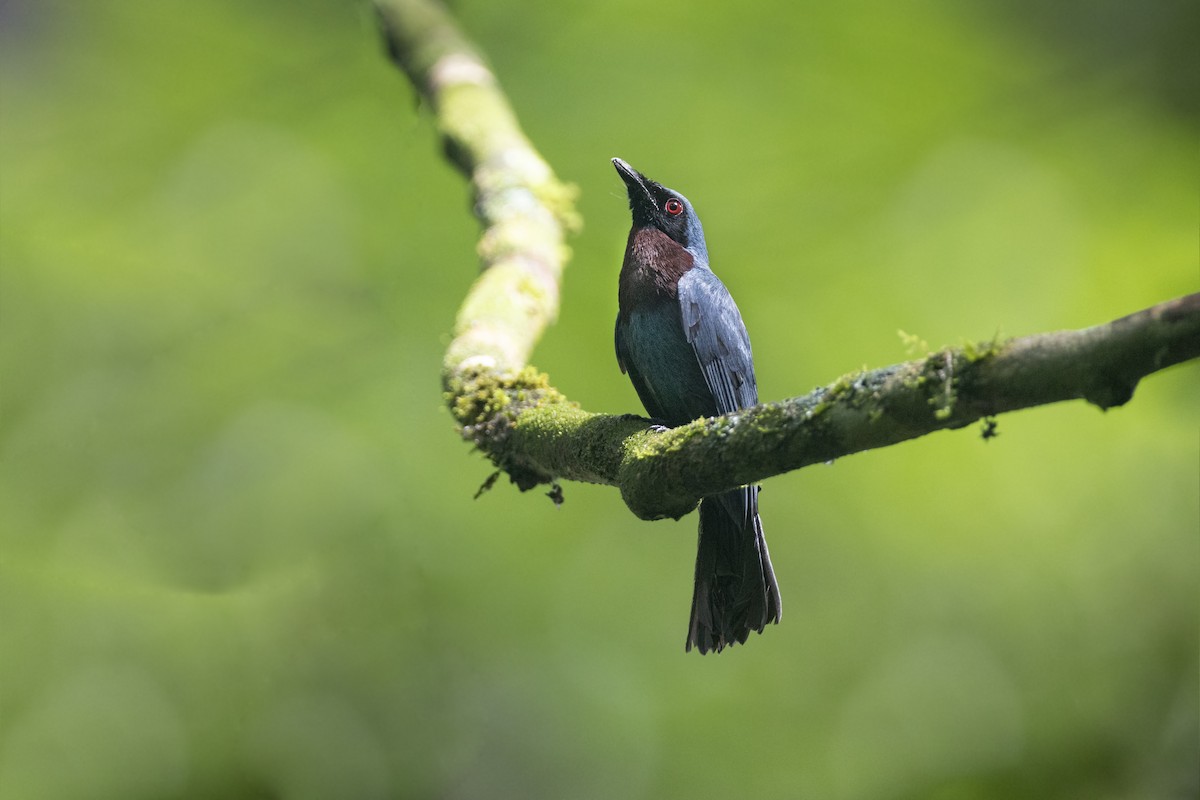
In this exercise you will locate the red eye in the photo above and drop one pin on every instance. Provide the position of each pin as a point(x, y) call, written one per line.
point(673, 207)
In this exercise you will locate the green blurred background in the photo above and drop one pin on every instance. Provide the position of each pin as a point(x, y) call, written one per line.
point(239, 556)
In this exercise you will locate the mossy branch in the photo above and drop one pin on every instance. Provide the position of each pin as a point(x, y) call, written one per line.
point(525, 210)
point(528, 429)
point(665, 473)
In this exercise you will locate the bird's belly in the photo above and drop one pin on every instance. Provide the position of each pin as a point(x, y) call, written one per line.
point(673, 387)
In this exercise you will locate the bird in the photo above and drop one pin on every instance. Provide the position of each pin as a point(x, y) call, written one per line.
point(681, 339)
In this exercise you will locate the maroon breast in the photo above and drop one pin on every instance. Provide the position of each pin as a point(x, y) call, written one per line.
point(654, 263)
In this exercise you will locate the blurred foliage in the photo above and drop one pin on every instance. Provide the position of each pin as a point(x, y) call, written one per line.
point(238, 552)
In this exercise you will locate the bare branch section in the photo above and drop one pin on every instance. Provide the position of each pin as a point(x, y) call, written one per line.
point(528, 429)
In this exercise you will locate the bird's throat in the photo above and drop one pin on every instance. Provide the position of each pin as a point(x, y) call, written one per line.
point(654, 263)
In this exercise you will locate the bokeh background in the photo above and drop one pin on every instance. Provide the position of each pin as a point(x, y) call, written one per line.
point(239, 555)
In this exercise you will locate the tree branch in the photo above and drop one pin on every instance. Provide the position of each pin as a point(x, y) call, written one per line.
point(524, 209)
point(528, 429)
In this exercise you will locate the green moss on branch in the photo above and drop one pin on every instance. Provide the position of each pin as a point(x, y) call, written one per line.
point(512, 413)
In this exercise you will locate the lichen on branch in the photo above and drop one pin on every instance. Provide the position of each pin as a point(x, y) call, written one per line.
point(525, 210)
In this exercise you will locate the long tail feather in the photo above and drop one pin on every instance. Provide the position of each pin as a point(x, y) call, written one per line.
point(735, 590)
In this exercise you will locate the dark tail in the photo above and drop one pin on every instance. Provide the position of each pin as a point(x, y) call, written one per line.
point(735, 590)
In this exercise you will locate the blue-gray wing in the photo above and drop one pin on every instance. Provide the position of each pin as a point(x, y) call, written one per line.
point(718, 336)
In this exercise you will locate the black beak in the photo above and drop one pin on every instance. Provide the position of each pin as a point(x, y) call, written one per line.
point(641, 202)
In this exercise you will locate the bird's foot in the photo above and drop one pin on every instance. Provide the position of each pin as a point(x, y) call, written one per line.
point(656, 425)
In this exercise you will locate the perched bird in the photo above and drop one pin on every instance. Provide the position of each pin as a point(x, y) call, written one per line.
point(683, 343)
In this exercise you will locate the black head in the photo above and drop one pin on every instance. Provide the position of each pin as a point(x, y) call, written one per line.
point(654, 205)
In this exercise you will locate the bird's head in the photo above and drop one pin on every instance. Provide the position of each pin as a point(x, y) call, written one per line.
point(655, 206)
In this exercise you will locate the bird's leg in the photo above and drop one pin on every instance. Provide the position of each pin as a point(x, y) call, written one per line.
point(656, 425)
